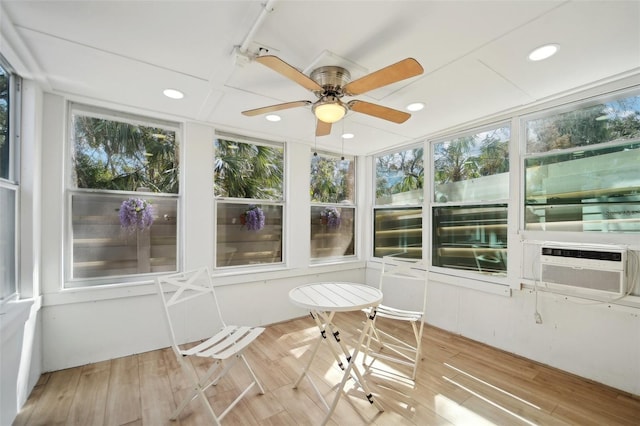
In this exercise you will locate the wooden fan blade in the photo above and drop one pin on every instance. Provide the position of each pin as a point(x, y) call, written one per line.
point(379, 111)
point(280, 66)
point(399, 71)
point(322, 128)
point(277, 107)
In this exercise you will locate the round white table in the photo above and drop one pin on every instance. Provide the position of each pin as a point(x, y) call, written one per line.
point(323, 300)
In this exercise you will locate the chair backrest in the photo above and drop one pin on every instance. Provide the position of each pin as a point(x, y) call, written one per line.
point(187, 295)
point(406, 280)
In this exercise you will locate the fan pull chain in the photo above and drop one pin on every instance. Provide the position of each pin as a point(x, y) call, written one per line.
point(342, 137)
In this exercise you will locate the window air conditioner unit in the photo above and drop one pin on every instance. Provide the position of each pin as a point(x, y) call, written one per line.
point(585, 268)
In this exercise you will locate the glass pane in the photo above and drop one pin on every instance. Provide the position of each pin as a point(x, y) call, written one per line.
point(104, 244)
point(332, 231)
point(472, 168)
point(332, 179)
point(471, 237)
point(7, 242)
point(121, 156)
point(244, 170)
point(398, 231)
point(595, 190)
point(5, 149)
point(400, 178)
point(608, 121)
point(248, 234)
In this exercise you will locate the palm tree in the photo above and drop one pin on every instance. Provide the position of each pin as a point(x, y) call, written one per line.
point(453, 161)
point(408, 164)
point(121, 156)
point(494, 156)
point(244, 170)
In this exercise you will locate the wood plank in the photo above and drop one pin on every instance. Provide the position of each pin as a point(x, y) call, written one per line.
point(157, 400)
point(89, 403)
point(123, 398)
point(55, 401)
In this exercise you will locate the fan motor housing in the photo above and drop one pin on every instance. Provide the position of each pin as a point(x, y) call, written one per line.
point(332, 79)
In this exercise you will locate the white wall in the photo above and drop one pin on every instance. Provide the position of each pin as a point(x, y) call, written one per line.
point(86, 325)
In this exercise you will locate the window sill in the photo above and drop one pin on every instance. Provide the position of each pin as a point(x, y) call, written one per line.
point(147, 287)
point(494, 284)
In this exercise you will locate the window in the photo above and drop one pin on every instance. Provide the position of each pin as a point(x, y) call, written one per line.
point(332, 206)
point(9, 188)
point(471, 189)
point(123, 197)
point(397, 215)
point(581, 168)
point(248, 188)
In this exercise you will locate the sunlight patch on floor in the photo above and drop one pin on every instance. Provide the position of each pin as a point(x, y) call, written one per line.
point(524, 401)
point(456, 413)
point(488, 401)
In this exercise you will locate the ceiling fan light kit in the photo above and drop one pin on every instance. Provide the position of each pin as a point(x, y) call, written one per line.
point(329, 110)
point(331, 83)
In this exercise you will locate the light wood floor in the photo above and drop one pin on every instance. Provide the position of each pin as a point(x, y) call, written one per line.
point(460, 382)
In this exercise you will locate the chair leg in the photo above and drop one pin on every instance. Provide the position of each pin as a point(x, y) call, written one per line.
point(253, 374)
point(199, 386)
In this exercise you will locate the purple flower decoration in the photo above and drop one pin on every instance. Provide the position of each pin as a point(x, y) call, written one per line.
point(254, 218)
point(330, 216)
point(136, 214)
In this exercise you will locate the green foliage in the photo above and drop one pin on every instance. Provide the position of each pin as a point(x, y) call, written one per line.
point(615, 120)
point(244, 170)
point(399, 172)
point(331, 179)
point(454, 162)
point(120, 156)
point(470, 157)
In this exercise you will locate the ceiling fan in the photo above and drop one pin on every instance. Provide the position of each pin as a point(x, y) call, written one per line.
point(331, 83)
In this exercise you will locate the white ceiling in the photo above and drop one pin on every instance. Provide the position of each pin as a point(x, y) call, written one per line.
point(474, 54)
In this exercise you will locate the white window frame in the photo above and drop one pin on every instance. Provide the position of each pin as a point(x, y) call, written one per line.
point(108, 114)
point(460, 276)
point(12, 182)
point(421, 205)
point(347, 205)
point(258, 267)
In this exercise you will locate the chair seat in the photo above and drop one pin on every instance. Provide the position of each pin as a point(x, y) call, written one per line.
point(399, 314)
point(228, 342)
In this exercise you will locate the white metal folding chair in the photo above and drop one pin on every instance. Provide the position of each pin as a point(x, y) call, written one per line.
point(224, 348)
point(411, 275)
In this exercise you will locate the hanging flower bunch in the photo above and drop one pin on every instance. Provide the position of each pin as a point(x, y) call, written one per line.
point(253, 218)
point(136, 214)
point(330, 216)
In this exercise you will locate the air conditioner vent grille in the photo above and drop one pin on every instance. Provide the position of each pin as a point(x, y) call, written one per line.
point(582, 254)
point(592, 269)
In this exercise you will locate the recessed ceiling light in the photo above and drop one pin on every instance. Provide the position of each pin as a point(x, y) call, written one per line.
point(348, 136)
point(173, 94)
point(416, 106)
point(543, 52)
point(273, 117)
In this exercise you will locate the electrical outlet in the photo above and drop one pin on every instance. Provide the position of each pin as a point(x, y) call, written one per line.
point(538, 317)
